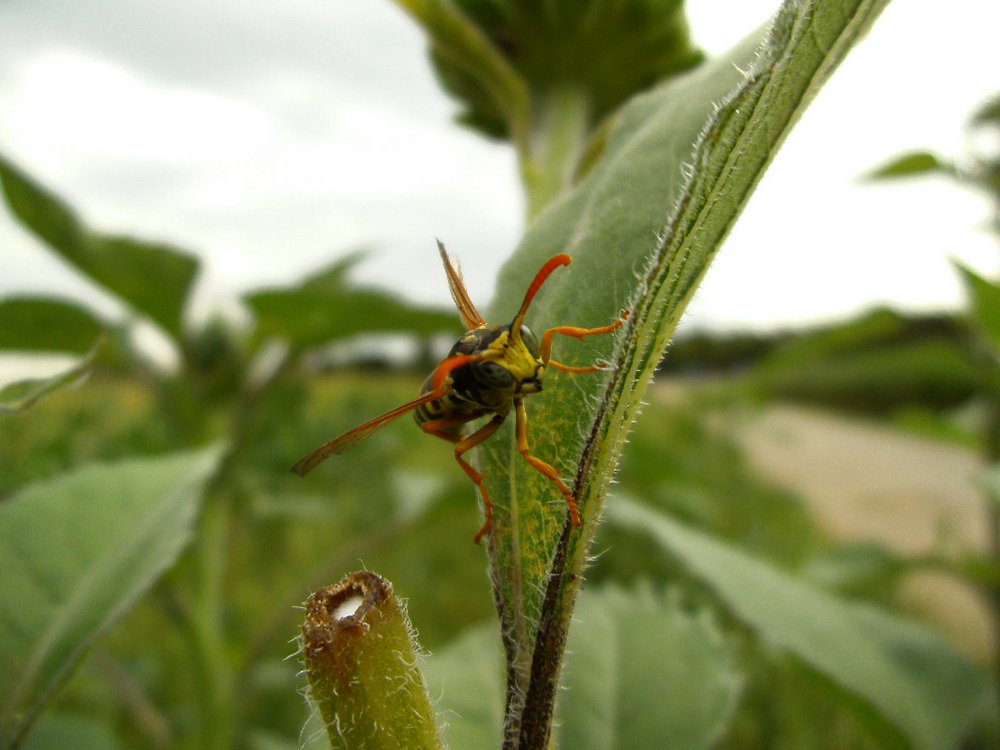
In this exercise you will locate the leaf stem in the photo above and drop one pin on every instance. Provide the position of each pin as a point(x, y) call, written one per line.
point(554, 145)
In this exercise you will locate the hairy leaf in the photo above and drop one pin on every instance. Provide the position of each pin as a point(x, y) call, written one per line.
point(911, 677)
point(677, 166)
point(643, 673)
point(639, 670)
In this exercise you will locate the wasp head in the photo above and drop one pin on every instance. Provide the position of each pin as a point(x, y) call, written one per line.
point(516, 369)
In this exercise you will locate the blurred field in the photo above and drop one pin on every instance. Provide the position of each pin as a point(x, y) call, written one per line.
point(867, 482)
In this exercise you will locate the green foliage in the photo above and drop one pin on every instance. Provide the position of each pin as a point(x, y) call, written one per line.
point(909, 676)
point(643, 646)
point(23, 394)
point(870, 331)
point(311, 314)
point(910, 165)
point(76, 552)
point(78, 732)
point(937, 373)
point(609, 51)
point(980, 169)
point(44, 324)
point(632, 648)
point(984, 296)
point(696, 484)
point(467, 675)
point(545, 75)
point(104, 419)
point(878, 363)
point(151, 277)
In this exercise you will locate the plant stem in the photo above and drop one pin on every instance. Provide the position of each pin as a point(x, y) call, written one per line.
point(535, 727)
point(554, 145)
point(216, 687)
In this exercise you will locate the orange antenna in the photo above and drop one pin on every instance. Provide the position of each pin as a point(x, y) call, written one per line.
point(543, 274)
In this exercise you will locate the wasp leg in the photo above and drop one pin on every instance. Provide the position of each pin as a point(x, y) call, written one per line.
point(443, 428)
point(439, 378)
point(576, 333)
point(521, 421)
point(575, 370)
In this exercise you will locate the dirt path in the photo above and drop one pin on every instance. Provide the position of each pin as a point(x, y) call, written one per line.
point(866, 482)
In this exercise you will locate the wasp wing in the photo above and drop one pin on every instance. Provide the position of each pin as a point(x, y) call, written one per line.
point(351, 438)
point(471, 318)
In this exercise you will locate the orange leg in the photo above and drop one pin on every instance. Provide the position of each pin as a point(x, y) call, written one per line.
point(442, 428)
point(521, 417)
point(576, 333)
point(443, 370)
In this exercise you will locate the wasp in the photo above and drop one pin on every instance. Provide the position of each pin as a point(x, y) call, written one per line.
point(488, 372)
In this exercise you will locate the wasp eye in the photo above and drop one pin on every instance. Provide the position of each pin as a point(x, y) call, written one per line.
point(530, 342)
point(493, 375)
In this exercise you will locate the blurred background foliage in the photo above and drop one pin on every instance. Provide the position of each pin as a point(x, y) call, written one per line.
point(302, 369)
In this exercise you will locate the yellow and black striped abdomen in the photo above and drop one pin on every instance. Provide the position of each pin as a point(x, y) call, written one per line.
point(447, 407)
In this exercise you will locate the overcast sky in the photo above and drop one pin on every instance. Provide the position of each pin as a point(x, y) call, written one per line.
point(271, 137)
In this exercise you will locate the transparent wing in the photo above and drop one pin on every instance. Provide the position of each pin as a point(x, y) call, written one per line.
point(471, 318)
point(351, 438)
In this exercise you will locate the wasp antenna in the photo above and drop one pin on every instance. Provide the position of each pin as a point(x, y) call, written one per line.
point(543, 274)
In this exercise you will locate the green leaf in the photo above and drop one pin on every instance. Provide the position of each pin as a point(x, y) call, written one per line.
point(911, 165)
point(333, 276)
point(679, 165)
point(315, 313)
point(60, 731)
point(608, 50)
point(987, 113)
point(23, 394)
point(643, 673)
point(151, 277)
point(985, 298)
point(46, 324)
point(545, 75)
point(472, 67)
point(467, 674)
point(640, 673)
point(910, 676)
point(76, 552)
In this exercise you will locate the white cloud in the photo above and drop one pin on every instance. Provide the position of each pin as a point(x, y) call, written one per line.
point(69, 104)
